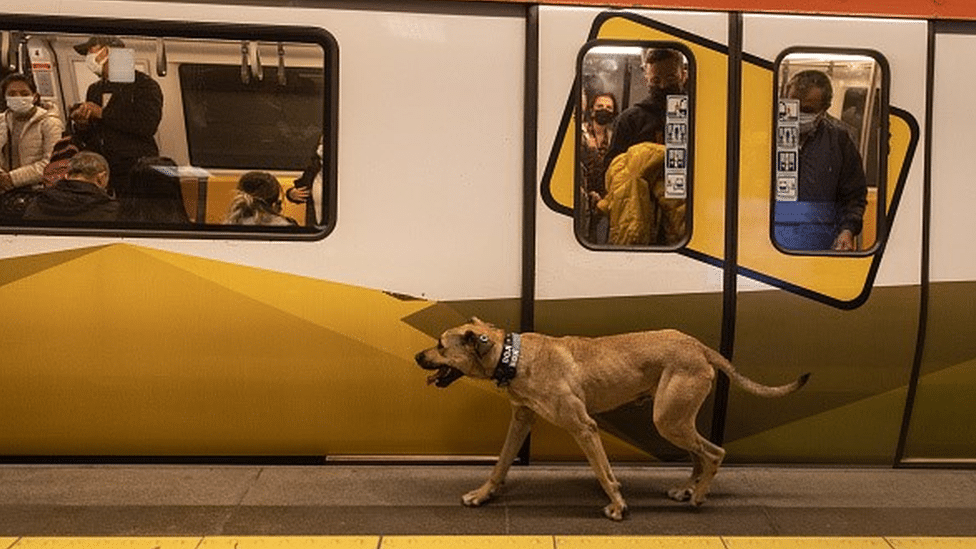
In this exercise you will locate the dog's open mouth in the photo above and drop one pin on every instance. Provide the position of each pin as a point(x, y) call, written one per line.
point(444, 376)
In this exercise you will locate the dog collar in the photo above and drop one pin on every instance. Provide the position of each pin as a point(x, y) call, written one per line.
point(507, 365)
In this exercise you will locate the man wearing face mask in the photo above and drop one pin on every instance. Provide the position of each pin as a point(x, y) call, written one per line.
point(28, 132)
point(832, 188)
point(665, 73)
point(634, 179)
point(117, 119)
point(81, 196)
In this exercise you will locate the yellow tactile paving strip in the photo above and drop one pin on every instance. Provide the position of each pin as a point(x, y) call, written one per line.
point(485, 542)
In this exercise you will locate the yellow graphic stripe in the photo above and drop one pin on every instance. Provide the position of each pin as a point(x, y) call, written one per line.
point(125, 350)
point(491, 542)
point(373, 318)
point(365, 315)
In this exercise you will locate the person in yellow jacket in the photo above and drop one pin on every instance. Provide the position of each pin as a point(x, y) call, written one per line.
point(629, 180)
point(639, 213)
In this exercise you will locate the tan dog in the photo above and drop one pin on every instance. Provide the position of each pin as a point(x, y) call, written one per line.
point(567, 379)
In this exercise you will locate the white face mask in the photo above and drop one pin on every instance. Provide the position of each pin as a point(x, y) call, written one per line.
point(93, 64)
point(808, 121)
point(20, 104)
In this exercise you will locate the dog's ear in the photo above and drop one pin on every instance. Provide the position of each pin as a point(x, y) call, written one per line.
point(476, 321)
point(481, 343)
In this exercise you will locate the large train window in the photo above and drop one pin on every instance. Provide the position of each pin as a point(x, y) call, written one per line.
point(168, 129)
point(829, 172)
point(634, 145)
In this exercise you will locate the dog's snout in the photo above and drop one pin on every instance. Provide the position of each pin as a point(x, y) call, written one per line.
point(422, 360)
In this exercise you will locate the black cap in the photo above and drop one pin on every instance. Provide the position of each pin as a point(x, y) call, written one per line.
point(99, 40)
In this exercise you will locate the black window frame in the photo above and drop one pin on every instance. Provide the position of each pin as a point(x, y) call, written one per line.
point(884, 111)
point(578, 182)
point(203, 31)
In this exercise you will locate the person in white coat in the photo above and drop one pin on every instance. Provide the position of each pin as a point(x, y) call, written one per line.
point(28, 132)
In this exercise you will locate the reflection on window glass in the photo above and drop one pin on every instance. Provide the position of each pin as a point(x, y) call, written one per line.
point(634, 146)
point(826, 163)
point(283, 118)
point(167, 133)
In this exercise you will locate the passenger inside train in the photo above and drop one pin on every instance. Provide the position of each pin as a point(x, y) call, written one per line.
point(257, 202)
point(827, 172)
point(29, 129)
point(153, 193)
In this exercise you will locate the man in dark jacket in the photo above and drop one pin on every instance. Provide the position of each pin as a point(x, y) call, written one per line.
point(665, 73)
point(119, 117)
point(832, 189)
point(80, 196)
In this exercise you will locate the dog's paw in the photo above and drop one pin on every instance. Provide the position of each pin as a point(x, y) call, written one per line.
point(681, 493)
point(615, 511)
point(476, 498)
point(698, 499)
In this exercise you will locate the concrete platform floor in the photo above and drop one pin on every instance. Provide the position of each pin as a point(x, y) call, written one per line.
point(550, 500)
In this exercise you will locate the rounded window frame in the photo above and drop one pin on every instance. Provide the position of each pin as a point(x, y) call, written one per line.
point(884, 111)
point(578, 177)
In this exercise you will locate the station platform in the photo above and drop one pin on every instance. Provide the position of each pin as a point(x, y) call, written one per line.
point(418, 506)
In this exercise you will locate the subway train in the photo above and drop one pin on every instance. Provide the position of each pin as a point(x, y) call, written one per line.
point(451, 184)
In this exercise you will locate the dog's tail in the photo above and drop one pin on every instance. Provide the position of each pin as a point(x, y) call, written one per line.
point(719, 362)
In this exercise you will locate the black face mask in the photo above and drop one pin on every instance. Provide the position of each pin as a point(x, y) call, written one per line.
point(603, 117)
point(659, 96)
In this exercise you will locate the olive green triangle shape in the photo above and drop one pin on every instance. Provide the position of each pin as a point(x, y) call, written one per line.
point(16, 268)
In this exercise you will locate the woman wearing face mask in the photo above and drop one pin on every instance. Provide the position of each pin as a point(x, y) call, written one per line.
point(597, 132)
point(28, 132)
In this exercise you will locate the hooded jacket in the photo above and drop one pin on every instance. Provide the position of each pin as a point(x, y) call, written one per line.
point(73, 200)
point(34, 144)
point(629, 180)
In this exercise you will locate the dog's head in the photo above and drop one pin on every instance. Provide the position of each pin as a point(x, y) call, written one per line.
point(462, 351)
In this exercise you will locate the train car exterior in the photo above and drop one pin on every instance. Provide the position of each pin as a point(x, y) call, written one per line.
point(451, 181)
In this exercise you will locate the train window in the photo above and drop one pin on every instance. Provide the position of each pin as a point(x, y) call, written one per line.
point(828, 171)
point(170, 130)
point(634, 145)
point(283, 122)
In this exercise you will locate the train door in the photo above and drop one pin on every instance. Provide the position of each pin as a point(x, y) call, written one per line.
point(810, 300)
point(633, 243)
point(941, 429)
